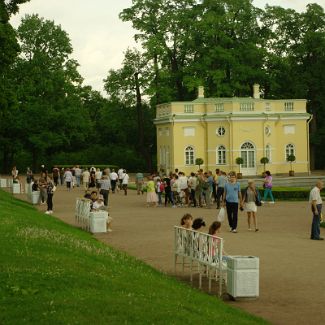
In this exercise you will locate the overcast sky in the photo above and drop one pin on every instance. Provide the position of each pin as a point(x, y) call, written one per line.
point(98, 36)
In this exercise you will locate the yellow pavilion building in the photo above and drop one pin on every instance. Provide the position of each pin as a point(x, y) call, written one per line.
point(219, 130)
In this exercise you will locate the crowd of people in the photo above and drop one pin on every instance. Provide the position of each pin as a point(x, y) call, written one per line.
point(200, 189)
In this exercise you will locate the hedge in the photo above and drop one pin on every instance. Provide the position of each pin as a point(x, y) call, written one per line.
point(289, 194)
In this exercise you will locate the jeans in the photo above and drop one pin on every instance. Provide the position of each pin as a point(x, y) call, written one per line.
point(220, 191)
point(159, 198)
point(169, 196)
point(315, 226)
point(232, 213)
point(49, 201)
point(267, 192)
point(78, 180)
point(105, 194)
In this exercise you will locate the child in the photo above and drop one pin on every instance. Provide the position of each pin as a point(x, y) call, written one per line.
point(99, 203)
point(198, 223)
point(187, 221)
point(214, 229)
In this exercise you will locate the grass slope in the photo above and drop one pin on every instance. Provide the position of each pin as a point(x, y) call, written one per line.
point(52, 273)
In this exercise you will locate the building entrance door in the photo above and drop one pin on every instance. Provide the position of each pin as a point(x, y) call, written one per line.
point(248, 153)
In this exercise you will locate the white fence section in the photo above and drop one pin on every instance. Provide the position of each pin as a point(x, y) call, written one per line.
point(3, 182)
point(82, 213)
point(205, 251)
point(93, 221)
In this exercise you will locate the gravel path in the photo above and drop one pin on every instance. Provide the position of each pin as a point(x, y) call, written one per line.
point(292, 267)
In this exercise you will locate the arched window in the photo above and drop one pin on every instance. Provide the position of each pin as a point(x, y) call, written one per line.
point(248, 155)
point(221, 155)
point(189, 155)
point(268, 152)
point(290, 150)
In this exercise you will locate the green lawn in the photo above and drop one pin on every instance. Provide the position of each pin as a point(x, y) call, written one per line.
point(52, 273)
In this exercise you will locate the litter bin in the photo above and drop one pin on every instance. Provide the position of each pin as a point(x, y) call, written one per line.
point(35, 197)
point(15, 188)
point(98, 221)
point(243, 276)
point(3, 182)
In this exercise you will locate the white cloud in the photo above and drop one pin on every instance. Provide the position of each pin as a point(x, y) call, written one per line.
point(98, 36)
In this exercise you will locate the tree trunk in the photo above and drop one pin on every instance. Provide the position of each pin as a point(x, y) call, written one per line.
point(140, 120)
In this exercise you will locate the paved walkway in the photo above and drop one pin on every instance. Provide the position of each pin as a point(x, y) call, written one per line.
point(292, 267)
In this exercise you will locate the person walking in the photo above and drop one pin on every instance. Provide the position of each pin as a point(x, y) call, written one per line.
point(114, 177)
point(139, 180)
point(249, 198)
point(55, 174)
point(222, 180)
point(105, 186)
point(316, 208)
point(68, 177)
point(232, 198)
point(268, 187)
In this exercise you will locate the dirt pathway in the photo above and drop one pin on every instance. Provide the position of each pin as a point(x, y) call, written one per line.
point(292, 267)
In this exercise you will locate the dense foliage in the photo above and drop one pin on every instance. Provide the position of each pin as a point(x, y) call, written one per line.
point(49, 116)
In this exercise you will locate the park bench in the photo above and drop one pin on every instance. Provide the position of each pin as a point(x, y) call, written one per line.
point(202, 250)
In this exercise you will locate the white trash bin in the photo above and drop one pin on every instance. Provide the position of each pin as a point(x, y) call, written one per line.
point(98, 221)
point(35, 197)
point(3, 182)
point(16, 188)
point(243, 276)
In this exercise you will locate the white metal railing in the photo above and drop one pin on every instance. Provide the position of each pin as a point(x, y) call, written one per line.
point(201, 248)
point(82, 213)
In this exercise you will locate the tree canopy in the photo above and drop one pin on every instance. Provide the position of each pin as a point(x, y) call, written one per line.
point(47, 114)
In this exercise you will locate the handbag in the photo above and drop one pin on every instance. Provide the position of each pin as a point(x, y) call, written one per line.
point(221, 215)
point(54, 188)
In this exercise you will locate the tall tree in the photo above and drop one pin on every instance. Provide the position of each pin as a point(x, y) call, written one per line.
point(163, 30)
point(51, 115)
point(9, 50)
point(127, 85)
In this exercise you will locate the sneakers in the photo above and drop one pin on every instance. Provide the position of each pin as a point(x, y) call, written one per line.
point(234, 231)
point(262, 202)
point(49, 212)
point(109, 230)
point(271, 202)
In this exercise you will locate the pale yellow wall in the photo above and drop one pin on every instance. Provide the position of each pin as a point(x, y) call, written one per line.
point(240, 127)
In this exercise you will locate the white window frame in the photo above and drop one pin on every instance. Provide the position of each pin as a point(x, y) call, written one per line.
point(189, 155)
point(290, 149)
point(221, 158)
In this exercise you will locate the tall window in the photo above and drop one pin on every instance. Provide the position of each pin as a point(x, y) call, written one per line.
point(189, 155)
point(268, 152)
point(290, 150)
point(221, 155)
point(248, 155)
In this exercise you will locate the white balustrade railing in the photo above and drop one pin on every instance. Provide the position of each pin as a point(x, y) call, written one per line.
point(82, 213)
point(202, 249)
